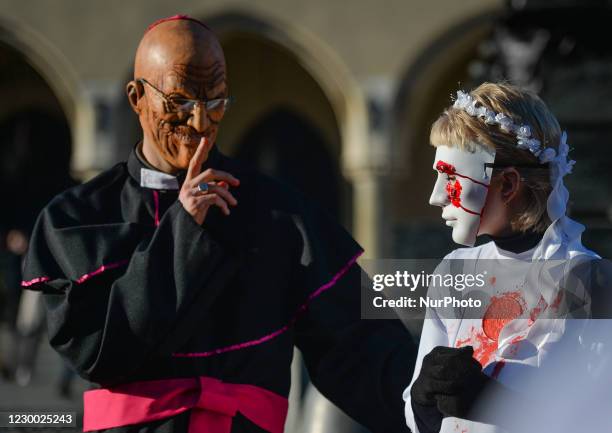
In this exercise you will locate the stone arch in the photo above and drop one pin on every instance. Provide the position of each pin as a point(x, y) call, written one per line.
point(56, 71)
point(340, 88)
point(36, 125)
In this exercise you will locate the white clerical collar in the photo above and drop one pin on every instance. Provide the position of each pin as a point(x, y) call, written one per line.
point(157, 180)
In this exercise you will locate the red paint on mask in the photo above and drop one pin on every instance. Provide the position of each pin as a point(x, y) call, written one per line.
point(454, 188)
point(445, 167)
point(454, 192)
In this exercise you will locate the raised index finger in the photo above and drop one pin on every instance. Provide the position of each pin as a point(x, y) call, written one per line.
point(195, 164)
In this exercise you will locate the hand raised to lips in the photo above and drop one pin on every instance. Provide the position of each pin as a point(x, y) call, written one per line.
point(197, 201)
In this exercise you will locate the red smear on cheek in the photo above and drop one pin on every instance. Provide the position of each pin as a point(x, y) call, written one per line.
point(454, 192)
point(454, 188)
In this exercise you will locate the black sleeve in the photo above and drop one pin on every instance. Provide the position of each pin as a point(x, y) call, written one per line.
point(109, 324)
point(362, 366)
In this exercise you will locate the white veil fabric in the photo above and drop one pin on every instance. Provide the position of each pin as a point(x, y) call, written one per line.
point(562, 239)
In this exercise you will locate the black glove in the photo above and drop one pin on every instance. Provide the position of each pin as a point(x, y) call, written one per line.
point(468, 382)
point(427, 386)
point(455, 381)
point(470, 387)
point(432, 379)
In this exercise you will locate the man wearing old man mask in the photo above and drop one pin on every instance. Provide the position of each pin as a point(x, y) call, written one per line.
point(180, 281)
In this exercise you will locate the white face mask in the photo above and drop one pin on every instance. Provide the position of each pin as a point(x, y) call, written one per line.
point(461, 189)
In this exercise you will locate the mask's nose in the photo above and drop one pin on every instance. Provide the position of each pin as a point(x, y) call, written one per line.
point(439, 196)
point(198, 119)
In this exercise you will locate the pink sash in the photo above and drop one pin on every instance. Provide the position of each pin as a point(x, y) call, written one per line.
point(213, 404)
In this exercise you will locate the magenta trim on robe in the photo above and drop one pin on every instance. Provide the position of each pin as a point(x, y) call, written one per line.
point(34, 281)
point(81, 279)
point(278, 332)
point(100, 270)
point(156, 200)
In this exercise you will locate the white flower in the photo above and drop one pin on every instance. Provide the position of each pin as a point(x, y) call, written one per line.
point(504, 121)
point(489, 117)
point(463, 100)
point(524, 131)
point(471, 108)
point(531, 144)
point(534, 146)
point(560, 165)
point(547, 155)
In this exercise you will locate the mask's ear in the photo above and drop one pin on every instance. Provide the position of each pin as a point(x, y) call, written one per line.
point(135, 92)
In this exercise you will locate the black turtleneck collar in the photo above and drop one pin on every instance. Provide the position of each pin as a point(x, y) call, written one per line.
point(518, 243)
point(136, 162)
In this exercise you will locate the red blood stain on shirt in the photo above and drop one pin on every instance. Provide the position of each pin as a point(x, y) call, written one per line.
point(503, 309)
point(484, 347)
point(537, 310)
point(492, 280)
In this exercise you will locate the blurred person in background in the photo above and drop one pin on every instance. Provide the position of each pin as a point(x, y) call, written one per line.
point(34, 158)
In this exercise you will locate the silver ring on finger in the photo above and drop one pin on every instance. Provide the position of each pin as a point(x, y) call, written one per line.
point(203, 187)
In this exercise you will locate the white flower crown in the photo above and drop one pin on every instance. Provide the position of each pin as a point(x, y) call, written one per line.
point(524, 139)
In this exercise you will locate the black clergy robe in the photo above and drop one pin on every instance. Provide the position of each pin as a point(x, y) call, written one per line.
point(135, 290)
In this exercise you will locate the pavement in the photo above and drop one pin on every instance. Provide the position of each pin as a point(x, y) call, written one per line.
point(42, 393)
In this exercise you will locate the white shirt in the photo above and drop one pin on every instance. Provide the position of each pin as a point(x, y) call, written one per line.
point(523, 343)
